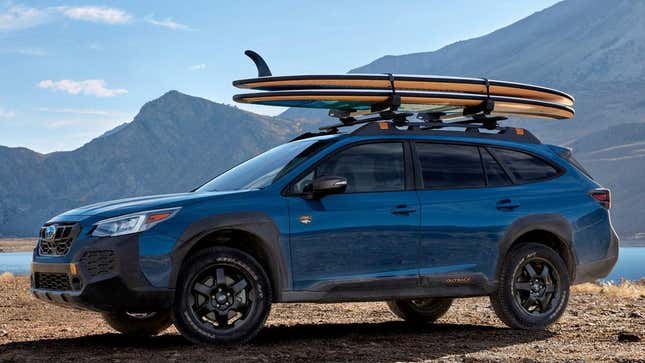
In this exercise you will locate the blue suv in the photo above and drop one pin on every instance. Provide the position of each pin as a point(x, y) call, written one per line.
point(415, 215)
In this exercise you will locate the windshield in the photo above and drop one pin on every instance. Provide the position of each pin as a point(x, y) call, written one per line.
point(264, 169)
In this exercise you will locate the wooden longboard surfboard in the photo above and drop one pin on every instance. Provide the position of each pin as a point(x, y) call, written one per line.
point(450, 103)
point(406, 83)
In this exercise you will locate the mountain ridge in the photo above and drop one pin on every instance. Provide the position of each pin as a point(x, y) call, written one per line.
point(174, 143)
point(589, 48)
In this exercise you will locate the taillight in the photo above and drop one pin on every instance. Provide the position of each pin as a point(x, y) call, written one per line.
point(603, 196)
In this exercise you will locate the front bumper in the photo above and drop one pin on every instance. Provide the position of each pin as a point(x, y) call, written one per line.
point(103, 276)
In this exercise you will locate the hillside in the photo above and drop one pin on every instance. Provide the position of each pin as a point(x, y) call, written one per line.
point(592, 49)
point(175, 143)
point(616, 157)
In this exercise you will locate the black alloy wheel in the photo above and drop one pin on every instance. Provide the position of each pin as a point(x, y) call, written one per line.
point(223, 296)
point(536, 291)
point(533, 287)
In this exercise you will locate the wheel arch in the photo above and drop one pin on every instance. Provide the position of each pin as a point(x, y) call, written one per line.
point(551, 230)
point(253, 233)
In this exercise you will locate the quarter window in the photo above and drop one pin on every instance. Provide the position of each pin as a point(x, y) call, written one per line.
point(525, 168)
point(495, 174)
point(450, 166)
point(375, 167)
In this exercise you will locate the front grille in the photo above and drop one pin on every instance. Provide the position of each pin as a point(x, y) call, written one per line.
point(60, 244)
point(52, 281)
point(99, 262)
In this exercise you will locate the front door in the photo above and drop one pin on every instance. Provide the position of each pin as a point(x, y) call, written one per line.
point(367, 235)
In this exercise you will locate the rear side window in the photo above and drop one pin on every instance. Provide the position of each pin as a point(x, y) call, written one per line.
point(376, 167)
point(495, 174)
point(450, 166)
point(524, 167)
point(569, 157)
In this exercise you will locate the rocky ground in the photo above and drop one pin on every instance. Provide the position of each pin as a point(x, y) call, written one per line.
point(601, 323)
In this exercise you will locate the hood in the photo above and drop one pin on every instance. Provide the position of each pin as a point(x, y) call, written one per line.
point(132, 205)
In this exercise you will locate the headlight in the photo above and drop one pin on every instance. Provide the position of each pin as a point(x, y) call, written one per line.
point(132, 223)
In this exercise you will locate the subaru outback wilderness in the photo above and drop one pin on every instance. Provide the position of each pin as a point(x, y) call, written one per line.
point(415, 216)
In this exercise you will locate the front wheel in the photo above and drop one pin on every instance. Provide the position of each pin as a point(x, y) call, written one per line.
point(420, 311)
point(138, 324)
point(533, 287)
point(223, 296)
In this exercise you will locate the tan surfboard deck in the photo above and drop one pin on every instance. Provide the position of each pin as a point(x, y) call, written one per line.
point(399, 82)
point(363, 101)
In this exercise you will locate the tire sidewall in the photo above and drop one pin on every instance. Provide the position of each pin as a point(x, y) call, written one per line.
point(126, 324)
point(405, 310)
point(516, 258)
point(184, 320)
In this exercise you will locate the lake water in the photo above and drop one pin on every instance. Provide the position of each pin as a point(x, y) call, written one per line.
point(630, 266)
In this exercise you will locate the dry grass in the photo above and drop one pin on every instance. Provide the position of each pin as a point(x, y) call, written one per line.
point(625, 288)
point(7, 277)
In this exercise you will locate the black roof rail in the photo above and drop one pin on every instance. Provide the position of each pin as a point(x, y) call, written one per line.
point(470, 129)
point(391, 122)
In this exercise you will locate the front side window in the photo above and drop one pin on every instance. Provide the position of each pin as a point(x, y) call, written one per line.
point(266, 168)
point(524, 167)
point(375, 167)
point(450, 166)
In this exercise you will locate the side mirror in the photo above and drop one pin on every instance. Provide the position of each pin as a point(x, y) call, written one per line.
point(325, 185)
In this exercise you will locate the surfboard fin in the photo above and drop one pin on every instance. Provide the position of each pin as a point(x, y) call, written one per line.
point(263, 68)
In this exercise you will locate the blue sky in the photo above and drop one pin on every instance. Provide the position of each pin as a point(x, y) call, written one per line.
point(72, 70)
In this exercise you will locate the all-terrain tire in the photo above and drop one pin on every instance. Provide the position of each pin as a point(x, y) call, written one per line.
point(420, 311)
point(508, 306)
point(188, 311)
point(139, 325)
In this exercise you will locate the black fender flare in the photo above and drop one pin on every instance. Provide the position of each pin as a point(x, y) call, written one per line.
point(552, 223)
point(255, 223)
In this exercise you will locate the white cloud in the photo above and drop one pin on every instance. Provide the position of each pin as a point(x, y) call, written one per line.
point(78, 111)
point(21, 17)
point(197, 67)
point(6, 113)
point(96, 14)
point(36, 52)
point(92, 87)
point(95, 46)
point(167, 23)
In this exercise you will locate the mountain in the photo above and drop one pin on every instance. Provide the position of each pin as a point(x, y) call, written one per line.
point(174, 144)
point(592, 49)
point(616, 157)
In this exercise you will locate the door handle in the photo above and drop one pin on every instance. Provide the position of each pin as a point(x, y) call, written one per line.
point(506, 204)
point(403, 210)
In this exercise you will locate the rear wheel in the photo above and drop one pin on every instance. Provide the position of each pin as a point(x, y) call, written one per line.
point(420, 311)
point(138, 324)
point(223, 296)
point(533, 287)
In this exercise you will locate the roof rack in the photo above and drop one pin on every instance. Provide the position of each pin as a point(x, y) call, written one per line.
point(389, 122)
point(470, 128)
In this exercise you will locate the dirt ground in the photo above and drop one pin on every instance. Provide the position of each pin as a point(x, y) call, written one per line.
point(34, 331)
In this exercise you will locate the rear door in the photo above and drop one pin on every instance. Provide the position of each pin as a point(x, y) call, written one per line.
point(367, 235)
point(470, 195)
point(461, 223)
